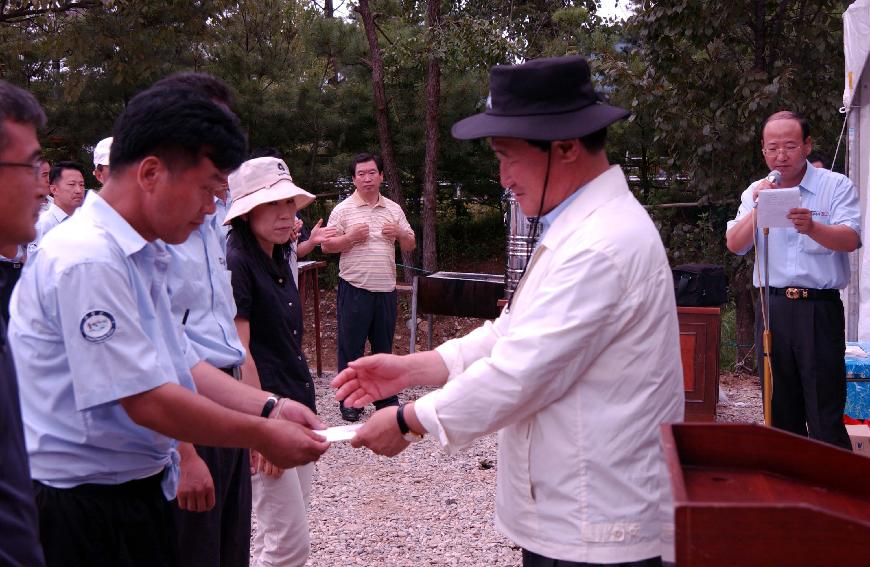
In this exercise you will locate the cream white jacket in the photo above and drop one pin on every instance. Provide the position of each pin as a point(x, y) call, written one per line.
point(578, 375)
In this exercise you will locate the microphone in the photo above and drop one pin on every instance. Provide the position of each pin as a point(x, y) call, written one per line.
point(774, 177)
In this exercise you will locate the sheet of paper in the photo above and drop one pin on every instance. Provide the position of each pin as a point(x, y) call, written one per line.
point(340, 433)
point(774, 205)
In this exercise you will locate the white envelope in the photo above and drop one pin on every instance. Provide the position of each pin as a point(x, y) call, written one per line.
point(339, 433)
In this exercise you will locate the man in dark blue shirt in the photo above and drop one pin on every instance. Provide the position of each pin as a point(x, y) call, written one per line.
point(20, 200)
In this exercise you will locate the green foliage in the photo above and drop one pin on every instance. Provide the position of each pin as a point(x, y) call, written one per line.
point(728, 339)
point(700, 78)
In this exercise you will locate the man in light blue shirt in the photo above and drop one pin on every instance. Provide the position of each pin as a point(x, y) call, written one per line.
point(213, 520)
point(808, 264)
point(108, 378)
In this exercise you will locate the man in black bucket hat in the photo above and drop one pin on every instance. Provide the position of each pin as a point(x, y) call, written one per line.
point(580, 370)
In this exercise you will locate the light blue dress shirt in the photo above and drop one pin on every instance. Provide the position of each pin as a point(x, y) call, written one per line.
point(796, 259)
point(199, 281)
point(221, 210)
point(547, 220)
point(91, 324)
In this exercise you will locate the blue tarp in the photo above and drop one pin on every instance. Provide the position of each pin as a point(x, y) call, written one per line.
point(858, 383)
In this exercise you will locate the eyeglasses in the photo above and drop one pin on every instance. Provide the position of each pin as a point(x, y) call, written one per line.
point(35, 166)
point(787, 150)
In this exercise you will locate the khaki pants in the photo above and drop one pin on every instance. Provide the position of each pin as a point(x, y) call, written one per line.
point(281, 508)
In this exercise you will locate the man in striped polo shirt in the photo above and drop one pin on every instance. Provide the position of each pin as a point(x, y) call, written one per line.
point(368, 226)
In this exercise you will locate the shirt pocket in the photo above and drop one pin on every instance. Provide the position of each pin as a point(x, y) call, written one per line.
point(809, 246)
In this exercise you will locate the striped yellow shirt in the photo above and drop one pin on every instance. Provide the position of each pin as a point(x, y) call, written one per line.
point(370, 265)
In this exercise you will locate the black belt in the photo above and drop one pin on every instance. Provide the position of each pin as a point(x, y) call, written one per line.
point(806, 293)
point(138, 487)
point(234, 371)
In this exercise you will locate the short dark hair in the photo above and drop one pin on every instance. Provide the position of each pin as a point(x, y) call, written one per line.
point(363, 158)
point(209, 85)
point(18, 105)
point(788, 115)
point(593, 142)
point(180, 126)
point(241, 231)
point(61, 166)
point(819, 156)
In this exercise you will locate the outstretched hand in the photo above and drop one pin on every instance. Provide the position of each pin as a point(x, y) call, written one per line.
point(287, 444)
point(381, 434)
point(291, 410)
point(371, 378)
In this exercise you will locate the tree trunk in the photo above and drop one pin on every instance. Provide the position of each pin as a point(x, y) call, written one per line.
point(329, 12)
point(391, 169)
point(430, 181)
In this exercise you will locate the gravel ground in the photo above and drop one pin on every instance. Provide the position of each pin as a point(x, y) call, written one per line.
point(424, 507)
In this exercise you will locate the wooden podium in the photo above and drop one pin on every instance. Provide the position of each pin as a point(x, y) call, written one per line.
point(749, 495)
point(699, 350)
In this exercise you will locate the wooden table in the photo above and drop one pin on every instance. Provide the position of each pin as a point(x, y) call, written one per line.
point(308, 272)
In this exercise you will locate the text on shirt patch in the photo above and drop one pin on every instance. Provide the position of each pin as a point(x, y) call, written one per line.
point(819, 213)
point(97, 326)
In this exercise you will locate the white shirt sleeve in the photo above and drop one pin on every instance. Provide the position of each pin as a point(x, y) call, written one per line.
point(534, 360)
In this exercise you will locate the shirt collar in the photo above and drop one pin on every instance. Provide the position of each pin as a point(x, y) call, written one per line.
point(360, 202)
point(548, 218)
point(58, 213)
point(117, 226)
point(810, 179)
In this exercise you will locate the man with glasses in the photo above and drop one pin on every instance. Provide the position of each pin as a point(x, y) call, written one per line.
point(20, 197)
point(809, 264)
point(368, 226)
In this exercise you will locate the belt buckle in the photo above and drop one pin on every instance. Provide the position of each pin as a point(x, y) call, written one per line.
point(796, 293)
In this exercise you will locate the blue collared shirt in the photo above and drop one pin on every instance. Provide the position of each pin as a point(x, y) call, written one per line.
point(91, 324)
point(199, 284)
point(548, 219)
point(796, 259)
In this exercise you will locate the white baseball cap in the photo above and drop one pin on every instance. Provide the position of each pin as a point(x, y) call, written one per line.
point(263, 180)
point(101, 152)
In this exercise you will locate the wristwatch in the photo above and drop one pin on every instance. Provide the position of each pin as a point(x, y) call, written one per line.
point(406, 432)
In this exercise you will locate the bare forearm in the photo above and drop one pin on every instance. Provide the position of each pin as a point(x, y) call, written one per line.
point(247, 398)
point(838, 238)
point(407, 241)
point(181, 414)
point(337, 244)
point(414, 423)
point(740, 235)
point(426, 369)
point(304, 249)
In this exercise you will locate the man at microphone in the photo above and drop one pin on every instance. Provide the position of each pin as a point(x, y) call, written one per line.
point(808, 265)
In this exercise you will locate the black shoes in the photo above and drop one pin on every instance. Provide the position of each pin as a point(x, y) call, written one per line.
point(350, 414)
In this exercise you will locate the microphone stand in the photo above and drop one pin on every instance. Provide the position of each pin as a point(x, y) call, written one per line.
point(767, 340)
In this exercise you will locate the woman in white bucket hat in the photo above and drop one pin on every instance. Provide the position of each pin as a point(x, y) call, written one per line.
point(269, 322)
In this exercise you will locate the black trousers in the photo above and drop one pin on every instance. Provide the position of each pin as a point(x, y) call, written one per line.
point(809, 370)
point(365, 316)
point(531, 559)
point(220, 537)
point(95, 525)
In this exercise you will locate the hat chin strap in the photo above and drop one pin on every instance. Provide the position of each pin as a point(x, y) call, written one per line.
point(535, 222)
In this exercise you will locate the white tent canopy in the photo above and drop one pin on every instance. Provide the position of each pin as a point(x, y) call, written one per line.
point(856, 100)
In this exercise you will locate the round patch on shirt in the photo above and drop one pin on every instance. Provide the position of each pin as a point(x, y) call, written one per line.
point(97, 326)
